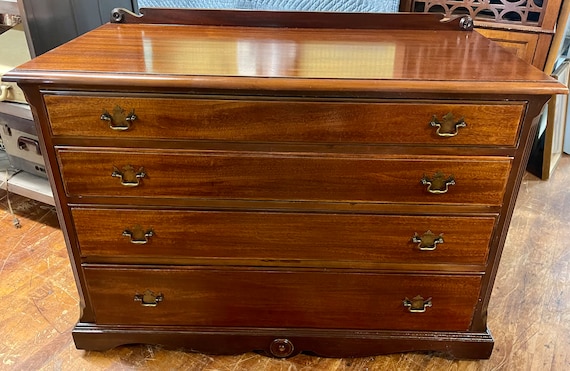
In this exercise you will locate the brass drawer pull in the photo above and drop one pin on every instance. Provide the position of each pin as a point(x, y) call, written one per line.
point(428, 241)
point(119, 119)
point(438, 184)
point(149, 298)
point(138, 235)
point(129, 177)
point(417, 304)
point(448, 127)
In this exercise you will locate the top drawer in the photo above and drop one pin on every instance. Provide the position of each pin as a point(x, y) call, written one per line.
point(286, 120)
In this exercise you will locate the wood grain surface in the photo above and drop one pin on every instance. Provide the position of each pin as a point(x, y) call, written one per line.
point(233, 58)
point(529, 312)
point(273, 298)
point(283, 119)
point(280, 239)
point(231, 175)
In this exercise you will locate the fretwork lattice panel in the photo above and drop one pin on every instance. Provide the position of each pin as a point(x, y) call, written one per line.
point(525, 12)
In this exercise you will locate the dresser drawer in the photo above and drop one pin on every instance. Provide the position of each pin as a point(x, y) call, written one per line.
point(153, 236)
point(281, 299)
point(284, 176)
point(285, 120)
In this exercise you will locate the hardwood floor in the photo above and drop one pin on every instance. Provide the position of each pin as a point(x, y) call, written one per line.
point(529, 314)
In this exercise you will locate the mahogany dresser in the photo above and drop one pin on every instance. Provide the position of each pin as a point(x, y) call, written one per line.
point(232, 181)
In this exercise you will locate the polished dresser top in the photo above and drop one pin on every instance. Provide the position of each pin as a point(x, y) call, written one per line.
point(295, 58)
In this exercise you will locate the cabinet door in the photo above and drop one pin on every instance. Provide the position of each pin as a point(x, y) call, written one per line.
point(520, 43)
point(51, 23)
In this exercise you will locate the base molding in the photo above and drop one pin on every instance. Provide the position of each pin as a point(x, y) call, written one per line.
point(287, 342)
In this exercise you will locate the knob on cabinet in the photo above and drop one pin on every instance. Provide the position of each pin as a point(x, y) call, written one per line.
point(281, 348)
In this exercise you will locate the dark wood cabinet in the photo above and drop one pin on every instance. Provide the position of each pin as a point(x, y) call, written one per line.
point(526, 28)
point(284, 182)
point(50, 23)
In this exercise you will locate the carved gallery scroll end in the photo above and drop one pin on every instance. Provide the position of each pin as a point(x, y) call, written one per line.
point(463, 23)
point(120, 15)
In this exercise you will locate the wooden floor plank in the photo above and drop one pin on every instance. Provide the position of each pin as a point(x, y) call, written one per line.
point(529, 313)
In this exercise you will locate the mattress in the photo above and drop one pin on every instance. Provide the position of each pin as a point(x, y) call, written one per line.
point(364, 6)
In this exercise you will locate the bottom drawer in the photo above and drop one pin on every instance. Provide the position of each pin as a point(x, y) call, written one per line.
point(280, 298)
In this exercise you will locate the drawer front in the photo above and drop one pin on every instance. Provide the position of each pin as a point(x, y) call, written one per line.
point(280, 238)
point(294, 299)
point(285, 120)
point(282, 176)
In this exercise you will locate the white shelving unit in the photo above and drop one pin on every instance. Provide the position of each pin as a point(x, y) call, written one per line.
point(13, 180)
point(19, 182)
point(24, 184)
